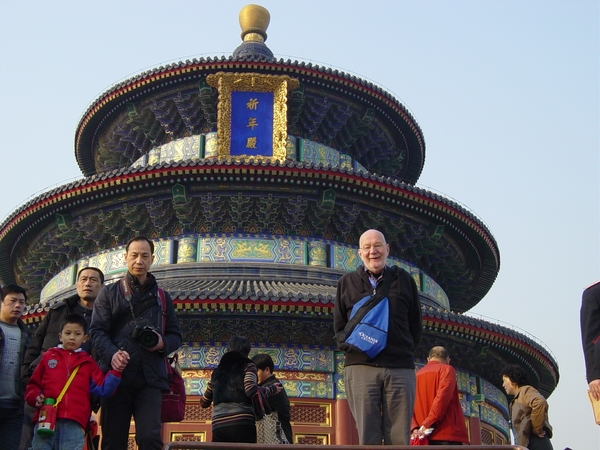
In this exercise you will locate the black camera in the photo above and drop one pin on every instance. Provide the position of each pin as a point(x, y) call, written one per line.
point(145, 335)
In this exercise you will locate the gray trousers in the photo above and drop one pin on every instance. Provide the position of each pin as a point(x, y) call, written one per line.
point(381, 400)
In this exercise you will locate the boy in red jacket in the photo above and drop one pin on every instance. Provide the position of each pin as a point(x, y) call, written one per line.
point(50, 377)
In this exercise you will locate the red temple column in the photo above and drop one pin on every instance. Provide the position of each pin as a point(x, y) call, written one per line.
point(345, 428)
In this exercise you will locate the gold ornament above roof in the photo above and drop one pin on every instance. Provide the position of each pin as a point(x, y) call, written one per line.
point(254, 21)
point(252, 114)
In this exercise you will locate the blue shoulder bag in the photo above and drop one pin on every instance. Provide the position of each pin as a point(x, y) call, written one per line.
point(366, 331)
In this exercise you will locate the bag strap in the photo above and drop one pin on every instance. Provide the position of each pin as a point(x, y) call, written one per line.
point(387, 281)
point(163, 304)
point(375, 299)
point(64, 389)
point(139, 308)
point(260, 405)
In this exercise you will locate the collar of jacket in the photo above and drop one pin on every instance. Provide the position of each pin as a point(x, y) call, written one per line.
point(233, 356)
point(368, 273)
point(70, 302)
point(135, 284)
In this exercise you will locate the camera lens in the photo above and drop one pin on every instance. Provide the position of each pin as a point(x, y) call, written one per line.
point(147, 338)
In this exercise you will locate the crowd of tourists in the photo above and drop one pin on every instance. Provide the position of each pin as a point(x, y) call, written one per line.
point(104, 348)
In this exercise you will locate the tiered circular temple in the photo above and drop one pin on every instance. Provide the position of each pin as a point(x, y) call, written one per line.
point(252, 243)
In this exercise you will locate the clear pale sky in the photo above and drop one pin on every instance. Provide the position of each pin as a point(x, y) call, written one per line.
point(506, 93)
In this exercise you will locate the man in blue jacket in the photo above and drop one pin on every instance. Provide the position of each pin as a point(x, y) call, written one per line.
point(381, 390)
point(128, 316)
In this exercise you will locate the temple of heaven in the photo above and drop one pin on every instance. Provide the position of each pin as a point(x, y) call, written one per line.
point(255, 177)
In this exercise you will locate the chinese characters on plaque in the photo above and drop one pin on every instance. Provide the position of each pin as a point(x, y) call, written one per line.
point(251, 123)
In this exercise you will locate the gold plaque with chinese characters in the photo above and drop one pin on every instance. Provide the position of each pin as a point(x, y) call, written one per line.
point(252, 114)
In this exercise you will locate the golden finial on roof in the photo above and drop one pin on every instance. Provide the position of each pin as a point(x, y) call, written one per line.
point(254, 21)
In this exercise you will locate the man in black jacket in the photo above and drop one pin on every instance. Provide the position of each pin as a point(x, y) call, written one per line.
point(381, 390)
point(128, 316)
point(590, 336)
point(89, 282)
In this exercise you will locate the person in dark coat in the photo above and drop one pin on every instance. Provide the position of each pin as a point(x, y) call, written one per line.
point(232, 385)
point(590, 336)
point(89, 282)
point(128, 316)
point(279, 403)
point(381, 390)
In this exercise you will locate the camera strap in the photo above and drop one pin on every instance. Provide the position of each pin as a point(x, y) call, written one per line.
point(127, 291)
point(134, 311)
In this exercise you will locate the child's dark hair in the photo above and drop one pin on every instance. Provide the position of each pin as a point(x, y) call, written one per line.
point(515, 374)
point(262, 361)
point(239, 344)
point(76, 319)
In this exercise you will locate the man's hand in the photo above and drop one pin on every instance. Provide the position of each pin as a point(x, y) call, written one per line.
point(160, 346)
point(595, 389)
point(119, 360)
point(424, 431)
